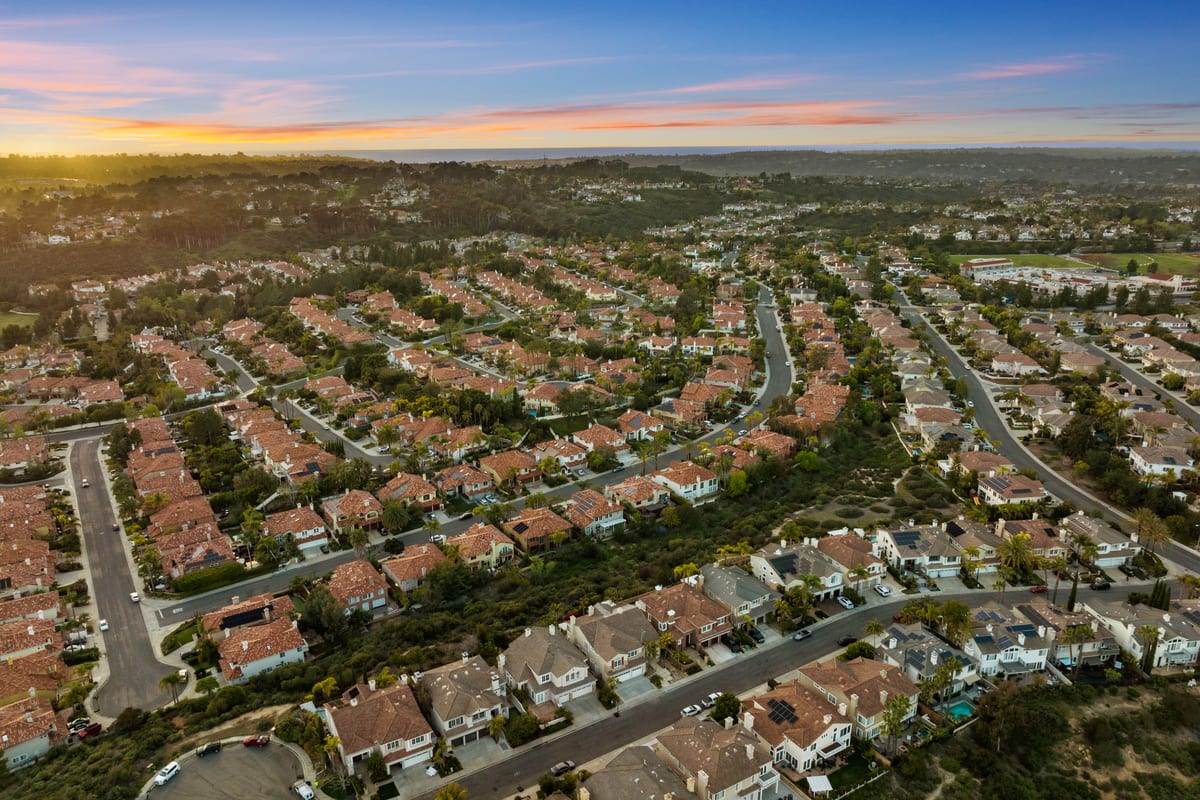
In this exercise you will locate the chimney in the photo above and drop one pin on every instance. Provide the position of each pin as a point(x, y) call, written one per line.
point(933, 658)
point(853, 705)
point(29, 716)
point(495, 683)
point(29, 630)
point(500, 662)
point(1041, 631)
point(892, 643)
point(883, 697)
point(1021, 639)
point(583, 794)
point(691, 785)
point(729, 723)
point(841, 709)
point(245, 645)
point(226, 632)
point(371, 684)
point(828, 718)
point(465, 656)
point(989, 627)
point(749, 751)
point(702, 782)
point(354, 701)
point(748, 720)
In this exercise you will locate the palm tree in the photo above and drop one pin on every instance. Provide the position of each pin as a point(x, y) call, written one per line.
point(171, 682)
point(1192, 584)
point(1016, 554)
point(1073, 637)
point(970, 561)
point(451, 791)
point(1058, 564)
point(496, 726)
point(1151, 531)
point(1148, 636)
point(874, 628)
point(858, 574)
point(735, 553)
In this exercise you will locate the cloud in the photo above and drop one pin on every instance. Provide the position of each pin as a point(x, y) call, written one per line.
point(747, 84)
point(1030, 69)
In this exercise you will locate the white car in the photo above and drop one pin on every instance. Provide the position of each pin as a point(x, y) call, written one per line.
point(691, 711)
point(166, 773)
point(103, 625)
point(845, 602)
point(882, 591)
point(134, 597)
point(304, 790)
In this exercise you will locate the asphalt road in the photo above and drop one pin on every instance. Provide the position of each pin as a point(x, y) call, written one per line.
point(1137, 378)
point(989, 418)
point(739, 675)
point(133, 670)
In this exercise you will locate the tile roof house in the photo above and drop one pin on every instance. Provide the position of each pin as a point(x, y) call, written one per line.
point(859, 689)
point(690, 481)
point(744, 595)
point(358, 586)
point(594, 514)
point(544, 664)
point(368, 719)
point(247, 652)
point(1005, 489)
point(534, 529)
point(463, 697)
point(692, 618)
point(410, 490)
point(721, 762)
point(638, 426)
point(27, 729)
point(355, 508)
point(640, 492)
point(252, 611)
point(464, 481)
point(601, 436)
point(483, 546)
point(302, 524)
point(613, 638)
point(510, 468)
point(412, 566)
point(801, 729)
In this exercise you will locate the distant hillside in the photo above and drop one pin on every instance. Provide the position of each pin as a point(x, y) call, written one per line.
point(1050, 165)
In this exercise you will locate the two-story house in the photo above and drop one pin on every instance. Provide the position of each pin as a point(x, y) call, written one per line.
point(368, 719)
point(1177, 642)
point(594, 514)
point(1097, 645)
point(920, 654)
point(784, 565)
point(354, 509)
point(745, 596)
point(920, 548)
point(358, 586)
point(860, 689)
point(721, 762)
point(1001, 644)
point(482, 546)
point(613, 638)
point(246, 652)
point(547, 667)
point(410, 568)
point(690, 481)
point(463, 697)
point(302, 525)
point(410, 490)
point(1113, 548)
point(801, 728)
point(692, 618)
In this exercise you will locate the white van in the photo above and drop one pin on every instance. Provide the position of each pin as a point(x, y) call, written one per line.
point(166, 773)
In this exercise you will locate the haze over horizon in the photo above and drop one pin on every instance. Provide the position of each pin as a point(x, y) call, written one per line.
point(267, 78)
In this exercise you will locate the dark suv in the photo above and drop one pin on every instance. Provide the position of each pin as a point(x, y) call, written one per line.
point(1101, 585)
point(206, 749)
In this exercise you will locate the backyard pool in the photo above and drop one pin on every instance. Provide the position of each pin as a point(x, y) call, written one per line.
point(961, 709)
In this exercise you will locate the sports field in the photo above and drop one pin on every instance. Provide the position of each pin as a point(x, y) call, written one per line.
point(10, 318)
point(1167, 262)
point(1030, 260)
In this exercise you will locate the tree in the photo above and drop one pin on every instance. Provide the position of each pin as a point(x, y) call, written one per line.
point(496, 726)
point(726, 706)
point(738, 484)
point(1075, 637)
point(1151, 532)
point(874, 628)
point(1148, 636)
point(895, 711)
point(325, 615)
point(1016, 553)
point(377, 769)
point(359, 540)
point(858, 650)
point(208, 684)
point(1074, 592)
point(686, 570)
point(171, 682)
point(1058, 564)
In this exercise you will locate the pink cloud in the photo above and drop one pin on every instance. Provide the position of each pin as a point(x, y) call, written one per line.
point(747, 84)
point(1024, 70)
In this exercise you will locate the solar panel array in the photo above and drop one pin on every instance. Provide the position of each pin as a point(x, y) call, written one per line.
point(781, 711)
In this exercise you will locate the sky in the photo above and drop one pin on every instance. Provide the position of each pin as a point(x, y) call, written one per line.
point(300, 76)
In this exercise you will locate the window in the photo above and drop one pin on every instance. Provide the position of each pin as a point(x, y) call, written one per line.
point(454, 723)
point(392, 745)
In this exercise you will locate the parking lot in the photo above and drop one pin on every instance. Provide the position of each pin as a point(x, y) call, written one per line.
point(235, 773)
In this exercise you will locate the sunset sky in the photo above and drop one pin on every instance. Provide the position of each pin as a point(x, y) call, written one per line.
point(300, 76)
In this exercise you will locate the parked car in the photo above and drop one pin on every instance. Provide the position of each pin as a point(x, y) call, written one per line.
point(691, 711)
point(166, 773)
point(304, 790)
point(436, 538)
point(134, 597)
point(77, 724)
point(733, 644)
point(845, 602)
point(846, 641)
point(756, 634)
point(103, 625)
point(562, 768)
point(207, 749)
point(1101, 586)
point(256, 741)
point(801, 635)
point(467, 515)
point(883, 591)
point(92, 729)
point(325, 549)
point(1039, 589)
point(710, 699)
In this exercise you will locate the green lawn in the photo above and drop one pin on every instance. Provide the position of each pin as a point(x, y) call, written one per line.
point(1030, 260)
point(1167, 262)
point(11, 318)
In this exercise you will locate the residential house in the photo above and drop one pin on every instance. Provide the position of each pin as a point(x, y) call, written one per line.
point(860, 689)
point(799, 726)
point(852, 553)
point(639, 492)
point(692, 618)
point(1099, 645)
point(688, 480)
point(358, 586)
point(601, 438)
point(510, 468)
point(354, 509)
point(536, 529)
point(1177, 640)
point(544, 664)
point(1167, 463)
point(636, 772)
point(919, 654)
point(1113, 548)
point(1003, 645)
point(249, 651)
point(302, 525)
point(745, 596)
point(385, 720)
point(463, 480)
point(594, 514)
point(927, 549)
point(482, 546)
point(613, 638)
point(637, 426)
point(464, 696)
point(27, 729)
point(409, 569)
point(721, 762)
point(784, 566)
point(1007, 489)
point(410, 490)
point(252, 611)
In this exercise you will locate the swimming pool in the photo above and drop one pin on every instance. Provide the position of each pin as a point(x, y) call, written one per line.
point(961, 709)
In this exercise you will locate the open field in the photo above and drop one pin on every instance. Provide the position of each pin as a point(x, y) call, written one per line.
point(1167, 262)
point(10, 318)
point(1022, 260)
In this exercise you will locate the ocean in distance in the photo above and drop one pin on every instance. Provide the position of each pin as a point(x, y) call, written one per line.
point(552, 153)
